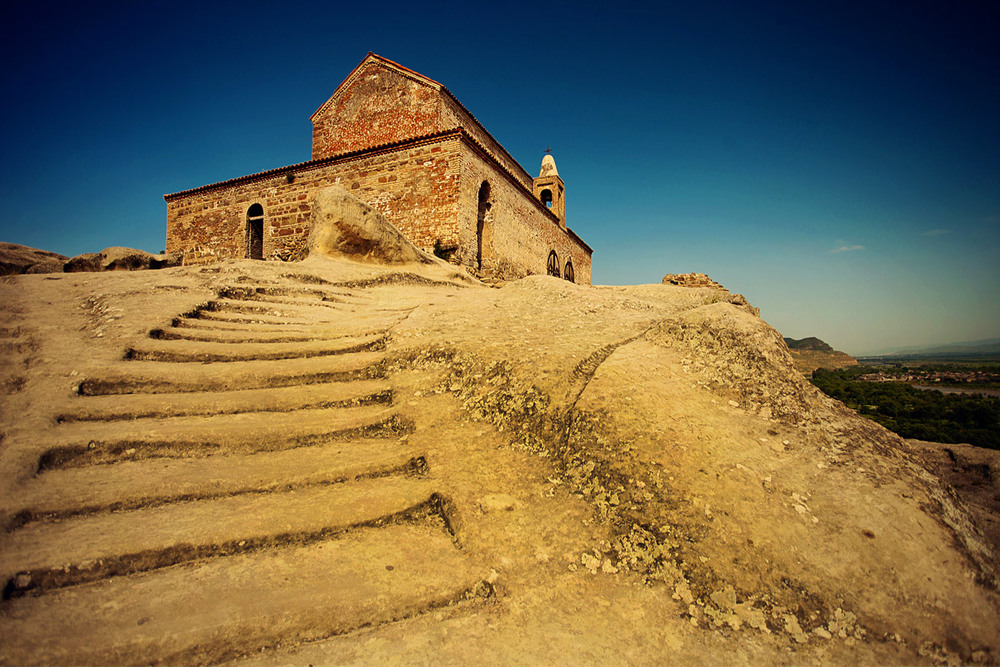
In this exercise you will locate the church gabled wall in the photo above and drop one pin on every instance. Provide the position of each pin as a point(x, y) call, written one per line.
point(381, 102)
point(376, 106)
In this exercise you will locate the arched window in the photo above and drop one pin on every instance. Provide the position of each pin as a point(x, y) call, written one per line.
point(568, 271)
point(553, 265)
point(482, 210)
point(255, 232)
point(546, 197)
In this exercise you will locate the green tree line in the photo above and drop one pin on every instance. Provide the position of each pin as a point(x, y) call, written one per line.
point(914, 413)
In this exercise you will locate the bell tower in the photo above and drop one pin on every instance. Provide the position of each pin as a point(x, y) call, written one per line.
point(550, 189)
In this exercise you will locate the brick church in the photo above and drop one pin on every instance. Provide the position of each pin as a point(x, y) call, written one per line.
point(406, 146)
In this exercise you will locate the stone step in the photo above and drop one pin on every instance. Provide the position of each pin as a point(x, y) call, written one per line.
point(157, 377)
point(12, 361)
point(244, 335)
point(87, 443)
point(276, 301)
point(127, 485)
point(239, 312)
point(223, 608)
point(345, 327)
point(272, 399)
point(322, 318)
point(44, 556)
point(295, 295)
point(14, 346)
point(276, 309)
point(185, 351)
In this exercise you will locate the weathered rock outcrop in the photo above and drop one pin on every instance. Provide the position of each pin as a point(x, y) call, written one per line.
point(761, 504)
point(344, 226)
point(120, 259)
point(690, 280)
point(625, 471)
point(16, 259)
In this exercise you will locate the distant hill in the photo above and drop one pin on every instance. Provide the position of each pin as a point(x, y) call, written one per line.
point(811, 343)
point(812, 353)
point(984, 347)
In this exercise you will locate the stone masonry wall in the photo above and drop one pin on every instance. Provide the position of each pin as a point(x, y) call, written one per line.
point(415, 187)
point(379, 106)
point(519, 235)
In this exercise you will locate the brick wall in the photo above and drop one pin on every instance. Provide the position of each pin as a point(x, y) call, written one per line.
point(416, 188)
point(428, 189)
point(377, 106)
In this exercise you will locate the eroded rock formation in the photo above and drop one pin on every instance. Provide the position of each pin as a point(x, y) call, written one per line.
point(409, 467)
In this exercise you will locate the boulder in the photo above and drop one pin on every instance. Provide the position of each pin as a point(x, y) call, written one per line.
point(124, 259)
point(690, 280)
point(48, 266)
point(87, 262)
point(130, 259)
point(345, 226)
point(166, 260)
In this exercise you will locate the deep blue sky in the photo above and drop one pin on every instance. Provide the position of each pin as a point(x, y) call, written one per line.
point(836, 162)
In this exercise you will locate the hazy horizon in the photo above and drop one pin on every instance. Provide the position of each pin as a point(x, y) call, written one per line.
point(838, 164)
point(934, 348)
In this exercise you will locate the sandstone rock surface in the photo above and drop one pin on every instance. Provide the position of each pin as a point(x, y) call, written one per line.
point(120, 259)
point(337, 462)
point(690, 280)
point(344, 226)
point(16, 259)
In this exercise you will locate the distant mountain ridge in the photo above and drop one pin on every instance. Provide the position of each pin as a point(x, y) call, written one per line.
point(986, 346)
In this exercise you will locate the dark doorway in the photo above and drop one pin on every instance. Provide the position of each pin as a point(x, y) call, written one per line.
point(553, 265)
point(255, 232)
point(482, 210)
point(568, 272)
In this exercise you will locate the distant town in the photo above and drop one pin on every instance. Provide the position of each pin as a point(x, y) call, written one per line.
point(952, 402)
